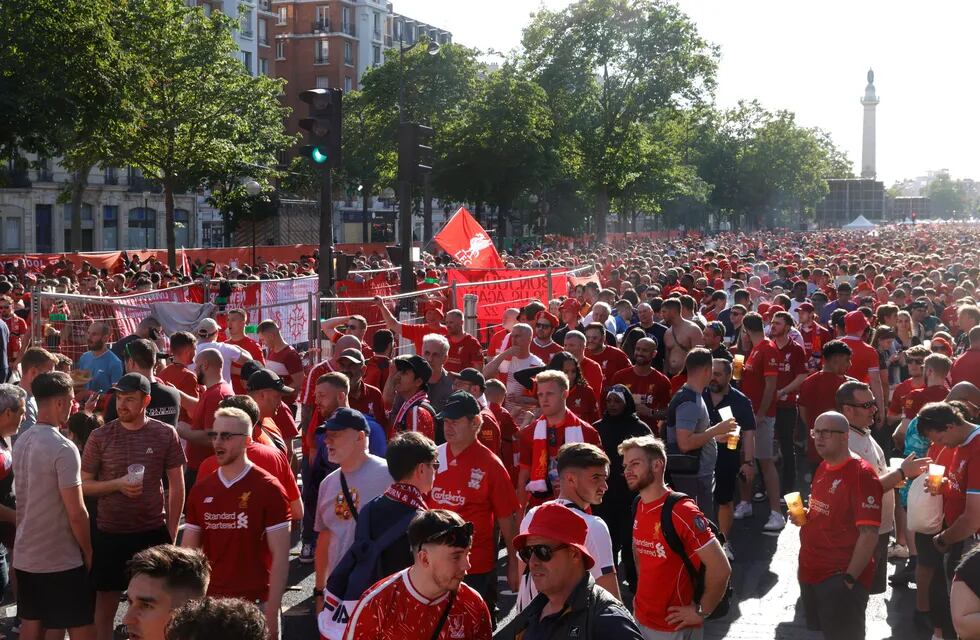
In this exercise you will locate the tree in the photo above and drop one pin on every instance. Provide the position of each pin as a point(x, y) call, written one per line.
point(367, 157)
point(498, 148)
point(197, 114)
point(61, 87)
point(608, 66)
point(946, 198)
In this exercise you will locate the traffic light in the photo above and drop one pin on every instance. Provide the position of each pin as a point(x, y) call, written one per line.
point(324, 126)
point(414, 152)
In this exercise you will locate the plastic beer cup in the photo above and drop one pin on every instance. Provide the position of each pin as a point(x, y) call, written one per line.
point(794, 503)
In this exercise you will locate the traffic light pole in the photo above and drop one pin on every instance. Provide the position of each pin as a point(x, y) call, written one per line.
point(405, 231)
point(326, 234)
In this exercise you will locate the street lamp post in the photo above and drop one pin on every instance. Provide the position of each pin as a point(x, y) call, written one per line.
point(252, 188)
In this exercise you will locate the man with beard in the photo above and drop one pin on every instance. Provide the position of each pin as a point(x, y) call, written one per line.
point(239, 517)
point(141, 358)
point(664, 604)
point(682, 335)
point(653, 329)
point(103, 365)
point(571, 319)
point(131, 511)
point(544, 327)
point(650, 389)
point(465, 351)
point(209, 365)
point(417, 602)
point(792, 373)
point(714, 341)
point(609, 359)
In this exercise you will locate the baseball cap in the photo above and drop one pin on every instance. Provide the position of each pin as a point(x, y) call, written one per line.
point(805, 306)
point(472, 376)
point(855, 322)
point(354, 355)
point(415, 364)
point(345, 418)
point(132, 382)
point(207, 326)
point(267, 379)
point(559, 523)
point(459, 404)
point(544, 315)
point(570, 304)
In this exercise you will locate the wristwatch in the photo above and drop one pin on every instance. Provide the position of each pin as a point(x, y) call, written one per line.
point(317, 593)
point(849, 580)
point(703, 614)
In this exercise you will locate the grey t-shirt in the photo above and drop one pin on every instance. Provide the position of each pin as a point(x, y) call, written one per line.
point(332, 512)
point(693, 416)
point(45, 462)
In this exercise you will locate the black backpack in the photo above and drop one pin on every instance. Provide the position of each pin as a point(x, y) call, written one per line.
point(677, 546)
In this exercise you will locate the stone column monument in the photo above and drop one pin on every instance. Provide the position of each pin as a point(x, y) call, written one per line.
point(870, 101)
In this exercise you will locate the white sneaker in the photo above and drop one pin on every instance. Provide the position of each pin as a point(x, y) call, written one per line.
point(743, 510)
point(306, 554)
point(776, 522)
point(727, 548)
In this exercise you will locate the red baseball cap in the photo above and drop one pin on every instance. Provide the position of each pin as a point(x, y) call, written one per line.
point(550, 317)
point(855, 322)
point(570, 303)
point(805, 306)
point(557, 522)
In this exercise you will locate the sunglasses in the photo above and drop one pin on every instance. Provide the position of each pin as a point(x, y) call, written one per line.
point(460, 535)
point(542, 552)
point(862, 405)
point(224, 436)
point(914, 360)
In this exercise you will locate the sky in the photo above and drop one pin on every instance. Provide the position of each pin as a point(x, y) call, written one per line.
point(812, 58)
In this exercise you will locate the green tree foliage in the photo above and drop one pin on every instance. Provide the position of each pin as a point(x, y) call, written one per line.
point(946, 196)
point(197, 114)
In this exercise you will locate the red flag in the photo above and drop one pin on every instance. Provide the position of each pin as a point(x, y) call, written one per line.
point(465, 240)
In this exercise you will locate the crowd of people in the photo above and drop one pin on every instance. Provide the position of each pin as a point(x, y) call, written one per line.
point(593, 452)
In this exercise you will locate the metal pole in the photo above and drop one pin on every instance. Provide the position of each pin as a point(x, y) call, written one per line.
point(405, 230)
point(551, 293)
point(251, 210)
point(469, 314)
point(326, 234)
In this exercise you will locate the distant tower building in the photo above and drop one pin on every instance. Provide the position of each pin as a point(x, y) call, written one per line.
point(870, 101)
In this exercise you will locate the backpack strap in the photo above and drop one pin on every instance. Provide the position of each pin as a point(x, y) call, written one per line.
point(673, 540)
point(347, 496)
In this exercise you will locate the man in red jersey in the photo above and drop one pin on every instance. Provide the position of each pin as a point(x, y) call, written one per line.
point(179, 376)
point(650, 388)
point(239, 517)
point(967, 365)
point(281, 357)
point(792, 373)
point(935, 368)
point(665, 605)
point(814, 334)
point(209, 365)
point(237, 320)
point(16, 325)
point(537, 479)
point(362, 396)
point(464, 350)
point(495, 394)
point(914, 359)
point(428, 599)
point(817, 393)
point(864, 358)
point(379, 365)
point(430, 310)
point(544, 328)
point(575, 344)
point(609, 359)
point(472, 481)
point(473, 382)
point(499, 340)
point(838, 534)
point(760, 376)
point(309, 418)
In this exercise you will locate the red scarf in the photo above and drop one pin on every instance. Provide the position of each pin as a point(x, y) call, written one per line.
point(407, 494)
point(408, 404)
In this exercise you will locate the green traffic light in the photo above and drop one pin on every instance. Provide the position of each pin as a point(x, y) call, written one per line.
point(318, 156)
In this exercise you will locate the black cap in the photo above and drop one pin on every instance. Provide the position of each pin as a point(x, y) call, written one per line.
point(344, 418)
point(472, 376)
point(267, 379)
point(132, 382)
point(354, 355)
point(415, 364)
point(249, 368)
point(459, 404)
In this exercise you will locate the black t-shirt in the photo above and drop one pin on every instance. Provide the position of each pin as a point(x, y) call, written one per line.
point(164, 405)
point(119, 346)
point(968, 571)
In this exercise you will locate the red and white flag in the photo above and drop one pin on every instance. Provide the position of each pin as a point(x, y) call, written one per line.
point(465, 240)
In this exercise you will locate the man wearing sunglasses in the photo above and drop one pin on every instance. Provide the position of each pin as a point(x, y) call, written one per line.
point(914, 357)
point(543, 346)
point(569, 603)
point(935, 368)
point(428, 599)
point(239, 517)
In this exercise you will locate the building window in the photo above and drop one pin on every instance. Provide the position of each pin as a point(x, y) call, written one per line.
point(377, 25)
point(86, 213)
point(263, 32)
point(321, 51)
point(322, 22)
point(281, 18)
point(263, 67)
point(348, 83)
point(110, 227)
point(182, 223)
point(348, 53)
point(42, 228)
point(280, 50)
point(348, 26)
point(322, 82)
point(376, 50)
point(13, 233)
point(245, 17)
point(247, 59)
point(142, 228)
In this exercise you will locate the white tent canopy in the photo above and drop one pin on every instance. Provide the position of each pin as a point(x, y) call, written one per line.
point(860, 222)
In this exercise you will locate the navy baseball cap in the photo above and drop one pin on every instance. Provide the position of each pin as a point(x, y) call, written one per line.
point(344, 418)
point(459, 404)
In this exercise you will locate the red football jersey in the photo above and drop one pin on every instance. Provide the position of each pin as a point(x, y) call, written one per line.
point(475, 485)
point(817, 396)
point(286, 363)
point(415, 333)
point(393, 609)
point(964, 477)
point(204, 420)
point(918, 398)
point(966, 368)
point(651, 390)
point(464, 351)
point(583, 402)
point(610, 360)
point(896, 406)
point(547, 351)
point(593, 374)
point(233, 521)
point(255, 350)
point(184, 380)
point(842, 498)
point(556, 438)
point(792, 362)
point(265, 457)
point(489, 433)
point(376, 371)
point(762, 363)
point(370, 403)
point(664, 582)
point(509, 449)
point(864, 360)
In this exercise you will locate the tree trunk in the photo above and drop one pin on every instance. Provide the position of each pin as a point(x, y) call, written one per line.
point(633, 216)
point(79, 182)
point(426, 208)
point(168, 203)
point(601, 213)
point(365, 222)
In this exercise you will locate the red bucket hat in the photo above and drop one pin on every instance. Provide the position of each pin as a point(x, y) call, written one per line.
point(557, 522)
point(855, 322)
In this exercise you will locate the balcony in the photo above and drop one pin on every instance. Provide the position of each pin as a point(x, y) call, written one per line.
point(14, 178)
point(320, 59)
point(320, 26)
point(389, 42)
point(110, 177)
point(264, 40)
point(349, 29)
point(138, 184)
point(45, 175)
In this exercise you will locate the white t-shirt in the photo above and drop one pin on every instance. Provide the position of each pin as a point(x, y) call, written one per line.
point(515, 388)
point(229, 352)
point(865, 446)
point(597, 542)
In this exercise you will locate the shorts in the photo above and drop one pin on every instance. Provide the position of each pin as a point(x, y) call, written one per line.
point(60, 600)
point(764, 430)
point(696, 633)
point(830, 606)
point(929, 556)
point(112, 551)
point(698, 488)
point(726, 474)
